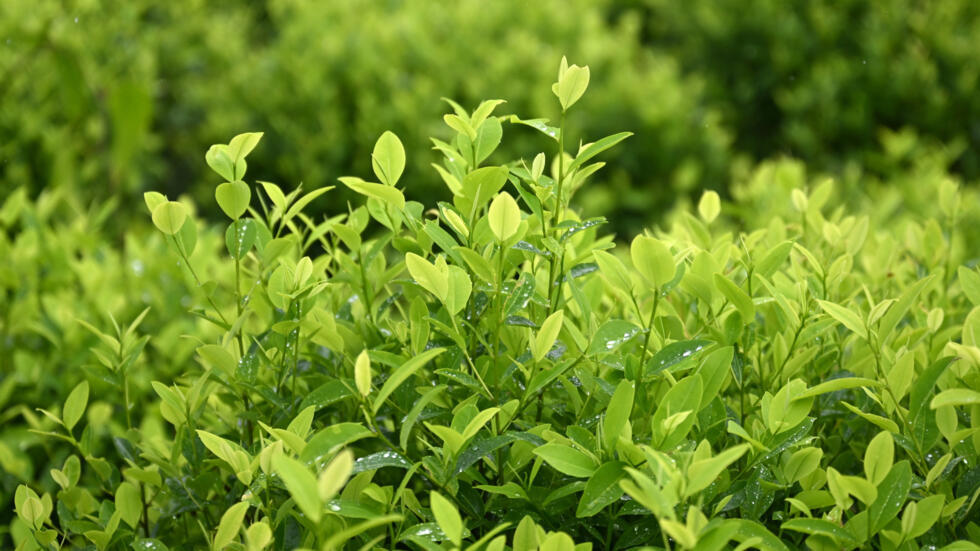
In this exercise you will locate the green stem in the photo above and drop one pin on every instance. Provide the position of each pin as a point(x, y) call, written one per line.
point(187, 262)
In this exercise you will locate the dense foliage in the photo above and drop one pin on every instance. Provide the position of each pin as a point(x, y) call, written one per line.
point(795, 367)
point(123, 93)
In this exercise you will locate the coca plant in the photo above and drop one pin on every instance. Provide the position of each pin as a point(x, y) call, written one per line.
point(493, 373)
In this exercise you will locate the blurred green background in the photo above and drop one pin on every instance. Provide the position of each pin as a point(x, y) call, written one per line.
point(115, 97)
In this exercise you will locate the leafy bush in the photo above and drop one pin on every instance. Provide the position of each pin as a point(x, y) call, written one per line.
point(123, 93)
point(820, 80)
point(493, 372)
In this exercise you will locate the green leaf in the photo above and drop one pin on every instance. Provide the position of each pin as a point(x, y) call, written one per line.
point(613, 270)
point(504, 217)
point(460, 288)
point(388, 159)
point(299, 205)
point(970, 282)
point(589, 151)
point(332, 438)
point(879, 457)
point(326, 394)
point(220, 160)
point(816, 526)
point(241, 145)
point(846, 317)
point(571, 85)
point(387, 194)
point(612, 335)
point(752, 530)
point(335, 475)
point(892, 492)
point(302, 485)
point(128, 503)
point(617, 416)
point(709, 207)
point(405, 371)
point(233, 198)
point(477, 423)
point(379, 460)
point(700, 474)
point(476, 262)
point(922, 515)
point(955, 397)
point(428, 276)
point(834, 385)
point(230, 525)
point(240, 237)
point(447, 517)
point(567, 460)
point(774, 259)
point(802, 463)
point(602, 489)
point(480, 186)
point(169, 217)
point(738, 297)
point(362, 373)
point(673, 354)
point(75, 405)
point(653, 260)
point(546, 335)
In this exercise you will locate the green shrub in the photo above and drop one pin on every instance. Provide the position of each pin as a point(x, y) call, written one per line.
point(490, 372)
point(820, 80)
point(123, 93)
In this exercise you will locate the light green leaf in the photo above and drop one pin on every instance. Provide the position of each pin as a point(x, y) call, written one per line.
point(228, 528)
point(169, 217)
point(335, 475)
point(571, 85)
point(617, 416)
point(970, 283)
point(128, 503)
point(460, 288)
point(332, 438)
point(846, 317)
point(738, 297)
point(955, 397)
point(566, 459)
point(504, 216)
point(653, 260)
point(924, 514)
point(879, 457)
point(478, 422)
point(302, 485)
point(547, 334)
point(613, 270)
point(816, 526)
point(75, 405)
point(702, 473)
point(362, 373)
point(802, 463)
point(388, 158)
point(834, 385)
point(447, 517)
point(241, 145)
point(710, 206)
point(590, 150)
point(405, 371)
point(428, 276)
point(387, 194)
point(220, 160)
